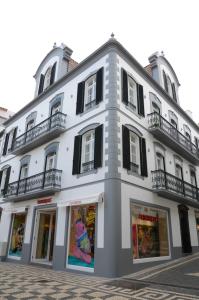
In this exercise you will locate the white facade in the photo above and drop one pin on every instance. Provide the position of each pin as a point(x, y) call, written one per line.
point(102, 193)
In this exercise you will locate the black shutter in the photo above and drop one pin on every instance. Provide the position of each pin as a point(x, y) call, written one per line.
point(99, 85)
point(14, 138)
point(126, 148)
point(174, 91)
point(80, 98)
point(143, 158)
point(6, 144)
point(41, 84)
point(165, 81)
point(52, 75)
point(196, 141)
point(140, 100)
point(1, 173)
point(6, 181)
point(98, 149)
point(124, 87)
point(77, 154)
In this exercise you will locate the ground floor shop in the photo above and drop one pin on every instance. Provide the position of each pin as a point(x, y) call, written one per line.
point(81, 235)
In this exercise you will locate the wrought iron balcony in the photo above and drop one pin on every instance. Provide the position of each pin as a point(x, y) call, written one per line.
point(170, 136)
point(42, 184)
point(40, 134)
point(173, 188)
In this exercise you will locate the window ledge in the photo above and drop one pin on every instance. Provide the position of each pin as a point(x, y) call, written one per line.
point(88, 110)
point(129, 172)
point(94, 171)
point(134, 112)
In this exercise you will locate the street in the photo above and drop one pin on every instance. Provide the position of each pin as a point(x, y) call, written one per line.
point(177, 280)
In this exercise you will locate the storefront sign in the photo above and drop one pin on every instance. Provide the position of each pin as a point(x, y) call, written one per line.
point(44, 201)
point(97, 198)
point(148, 218)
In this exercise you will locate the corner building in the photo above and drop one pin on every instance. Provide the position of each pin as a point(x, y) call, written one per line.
point(99, 171)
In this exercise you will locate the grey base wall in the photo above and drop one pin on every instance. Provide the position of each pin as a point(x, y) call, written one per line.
point(59, 258)
point(26, 253)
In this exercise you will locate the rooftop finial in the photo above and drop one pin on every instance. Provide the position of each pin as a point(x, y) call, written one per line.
point(112, 35)
point(54, 45)
point(162, 52)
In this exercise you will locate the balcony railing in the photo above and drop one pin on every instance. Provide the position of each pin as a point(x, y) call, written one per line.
point(169, 135)
point(43, 183)
point(39, 134)
point(173, 187)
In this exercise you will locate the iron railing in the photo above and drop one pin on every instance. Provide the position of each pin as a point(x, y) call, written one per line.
point(134, 167)
point(58, 120)
point(90, 104)
point(162, 180)
point(41, 181)
point(155, 120)
point(87, 166)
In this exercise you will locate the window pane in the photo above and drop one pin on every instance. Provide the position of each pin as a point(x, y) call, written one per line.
point(17, 235)
point(149, 232)
point(82, 236)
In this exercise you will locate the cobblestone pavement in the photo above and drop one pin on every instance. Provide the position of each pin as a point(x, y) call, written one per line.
point(30, 282)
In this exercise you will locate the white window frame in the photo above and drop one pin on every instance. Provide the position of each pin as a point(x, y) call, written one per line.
point(90, 92)
point(132, 93)
point(160, 158)
point(134, 155)
point(91, 144)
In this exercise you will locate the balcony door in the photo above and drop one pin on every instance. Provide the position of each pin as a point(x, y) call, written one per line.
point(29, 132)
point(184, 228)
point(44, 235)
point(22, 179)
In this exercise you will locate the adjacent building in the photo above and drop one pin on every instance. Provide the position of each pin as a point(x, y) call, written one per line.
point(99, 171)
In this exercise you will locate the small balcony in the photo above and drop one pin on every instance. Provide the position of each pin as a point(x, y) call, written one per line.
point(42, 184)
point(40, 134)
point(173, 188)
point(170, 136)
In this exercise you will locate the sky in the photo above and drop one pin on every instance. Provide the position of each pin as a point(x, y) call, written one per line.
point(29, 28)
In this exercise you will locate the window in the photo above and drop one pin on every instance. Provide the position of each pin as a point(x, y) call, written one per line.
point(132, 91)
point(134, 151)
point(132, 94)
point(56, 108)
point(88, 150)
point(29, 132)
point(50, 161)
point(9, 141)
point(90, 92)
point(47, 79)
point(149, 232)
point(169, 86)
point(187, 133)
point(155, 108)
point(160, 162)
point(179, 179)
point(4, 180)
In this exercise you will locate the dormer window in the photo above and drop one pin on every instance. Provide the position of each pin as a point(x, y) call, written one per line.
point(47, 79)
point(169, 86)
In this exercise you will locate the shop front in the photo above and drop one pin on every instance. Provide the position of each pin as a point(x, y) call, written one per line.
point(150, 238)
point(17, 235)
point(44, 236)
point(81, 232)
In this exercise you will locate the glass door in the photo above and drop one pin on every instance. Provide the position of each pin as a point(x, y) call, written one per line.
point(17, 236)
point(44, 236)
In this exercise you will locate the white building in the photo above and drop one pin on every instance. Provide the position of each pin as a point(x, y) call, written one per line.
point(99, 172)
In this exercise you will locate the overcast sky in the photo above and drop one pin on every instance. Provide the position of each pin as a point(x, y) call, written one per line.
point(28, 29)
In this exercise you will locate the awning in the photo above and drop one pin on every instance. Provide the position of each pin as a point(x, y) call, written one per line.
point(15, 210)
point(96, 198)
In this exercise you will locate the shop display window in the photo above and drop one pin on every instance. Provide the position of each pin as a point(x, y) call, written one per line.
point(82, 236)
point(149, 232)
point(17, 235)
